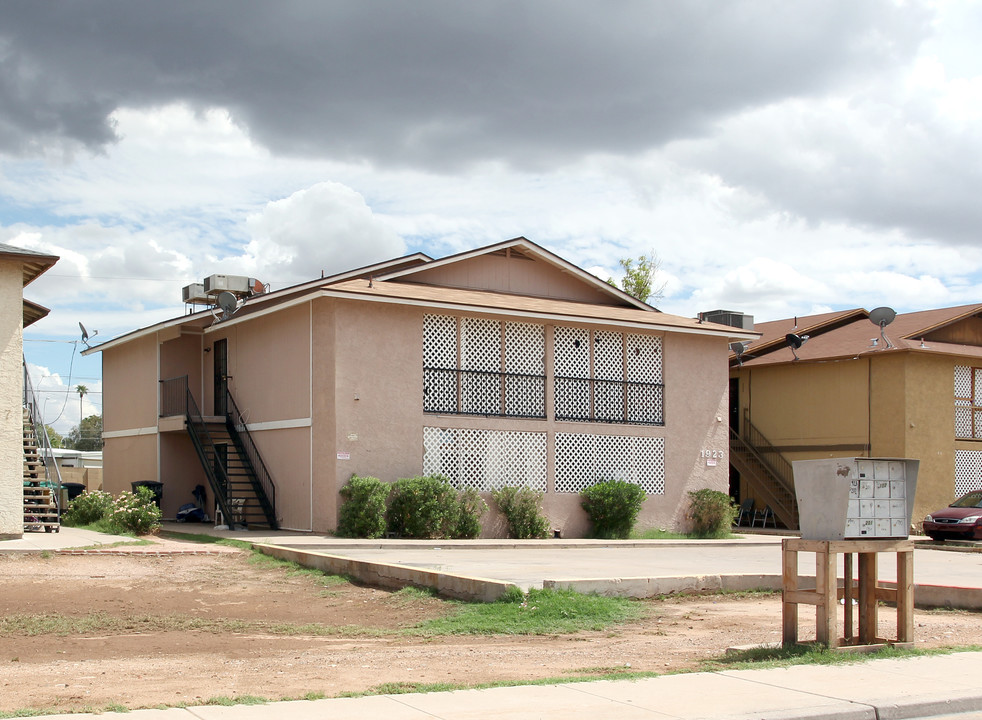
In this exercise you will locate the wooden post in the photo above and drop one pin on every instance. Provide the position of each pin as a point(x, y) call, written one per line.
point(905, 596)
point(789, 605)
point(867, 598)
point(825, 587)
point(847, 595)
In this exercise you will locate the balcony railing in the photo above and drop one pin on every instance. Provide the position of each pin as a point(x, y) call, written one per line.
point(480, 392)
point(174, 396)
point(610, 401)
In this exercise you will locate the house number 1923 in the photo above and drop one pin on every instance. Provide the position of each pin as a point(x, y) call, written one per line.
point(714, 454)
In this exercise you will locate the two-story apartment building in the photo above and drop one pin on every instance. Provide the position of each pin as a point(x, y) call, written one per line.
point(504, 365)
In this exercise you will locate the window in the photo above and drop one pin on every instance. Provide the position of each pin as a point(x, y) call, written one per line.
point(968, 402)
point(604, 376)
point(478, 366)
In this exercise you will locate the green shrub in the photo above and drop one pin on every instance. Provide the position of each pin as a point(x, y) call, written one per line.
point(613, 507)
point(87, 508)
point(470, 508)
point(135, 513)
point(423, 507)
point(429, 507)
point(712, 513)
point(520, 506)
point(362, 513)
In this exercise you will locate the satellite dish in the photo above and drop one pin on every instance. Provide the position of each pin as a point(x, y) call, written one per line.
point(738, 349)
point(85, 334)
point(228, 303)
point(794, 342)
point(883, 316)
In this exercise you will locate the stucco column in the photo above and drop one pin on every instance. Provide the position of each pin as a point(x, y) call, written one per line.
point(11, 414)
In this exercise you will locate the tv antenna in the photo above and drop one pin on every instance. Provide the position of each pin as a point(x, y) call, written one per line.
point(738, 349)
point(85, 334)
point(794, 342)
point(883, 316)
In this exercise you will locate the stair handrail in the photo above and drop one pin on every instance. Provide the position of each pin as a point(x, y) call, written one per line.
point(236, 422)
point(758, 442)
point(788, 501)
point(194, 420)
point(41, 434)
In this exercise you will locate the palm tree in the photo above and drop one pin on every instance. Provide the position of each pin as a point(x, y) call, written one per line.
point(82, 391)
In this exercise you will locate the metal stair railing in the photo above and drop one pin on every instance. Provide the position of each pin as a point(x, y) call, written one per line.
point(767, 487)
point(41, 438)
point(775, 461)
point(262, 481)
point(172, 399)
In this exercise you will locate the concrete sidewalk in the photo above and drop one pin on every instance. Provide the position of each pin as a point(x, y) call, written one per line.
point(876, 690)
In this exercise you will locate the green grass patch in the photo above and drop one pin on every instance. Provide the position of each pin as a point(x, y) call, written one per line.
point(808, 654)
point(540, 612)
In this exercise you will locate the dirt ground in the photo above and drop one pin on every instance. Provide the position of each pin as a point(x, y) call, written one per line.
point(184, 629)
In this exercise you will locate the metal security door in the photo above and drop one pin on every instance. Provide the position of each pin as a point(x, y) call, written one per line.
point(221, 375)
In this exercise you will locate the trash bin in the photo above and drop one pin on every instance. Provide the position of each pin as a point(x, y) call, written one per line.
point(72, 489)
point(157, 488)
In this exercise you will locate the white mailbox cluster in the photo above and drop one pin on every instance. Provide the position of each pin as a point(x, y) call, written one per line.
point(858, 497)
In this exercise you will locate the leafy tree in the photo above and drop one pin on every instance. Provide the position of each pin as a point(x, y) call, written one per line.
point(639, 279)
point(54, 437)
point(87, 436)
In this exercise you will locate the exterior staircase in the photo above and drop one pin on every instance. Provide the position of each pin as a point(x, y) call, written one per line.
point(40, 501)
point(243, 488)
point(767, 473)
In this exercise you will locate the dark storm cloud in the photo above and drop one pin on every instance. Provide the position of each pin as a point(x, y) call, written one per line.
point(433, 84)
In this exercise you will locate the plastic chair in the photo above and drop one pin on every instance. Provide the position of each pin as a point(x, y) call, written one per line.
point(764, 515)
point(746, 511)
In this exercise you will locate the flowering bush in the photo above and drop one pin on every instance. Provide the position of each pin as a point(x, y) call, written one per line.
point(87, 508)
point(135, 513)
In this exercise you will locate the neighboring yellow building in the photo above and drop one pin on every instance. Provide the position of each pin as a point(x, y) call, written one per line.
point(911, 389)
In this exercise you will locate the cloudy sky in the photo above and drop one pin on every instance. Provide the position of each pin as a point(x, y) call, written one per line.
point(780, 158)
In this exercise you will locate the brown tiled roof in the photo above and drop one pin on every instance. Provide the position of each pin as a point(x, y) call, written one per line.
point(483, 301)
point(850, 334)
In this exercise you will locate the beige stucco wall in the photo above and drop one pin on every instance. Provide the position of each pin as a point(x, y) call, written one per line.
point(378, 360)
point(535, 278)
point(129, 412)
point(11, 413)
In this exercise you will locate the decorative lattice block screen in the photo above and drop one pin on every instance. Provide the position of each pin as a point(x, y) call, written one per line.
point(525, 365)
point(583, 460)
point(486, 459)
point(968, 471)
point(439, 363)
point(968, 402)
point(480, 352)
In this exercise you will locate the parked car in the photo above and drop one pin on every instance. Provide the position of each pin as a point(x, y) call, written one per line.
point(962, 520)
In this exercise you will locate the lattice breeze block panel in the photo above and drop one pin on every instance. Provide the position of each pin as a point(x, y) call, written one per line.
point(583, 460)
point(486, 459)
point(644, 358)
point(968, 471)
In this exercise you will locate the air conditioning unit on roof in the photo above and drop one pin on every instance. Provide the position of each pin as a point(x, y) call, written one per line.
point(195, 294)
point(237, 284)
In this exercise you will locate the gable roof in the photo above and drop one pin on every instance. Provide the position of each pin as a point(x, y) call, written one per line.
point(34, 263)
point(850, 333)
point(529, 248)
point(391, 281)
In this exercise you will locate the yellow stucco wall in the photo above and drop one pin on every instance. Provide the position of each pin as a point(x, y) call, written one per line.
point(900, 404)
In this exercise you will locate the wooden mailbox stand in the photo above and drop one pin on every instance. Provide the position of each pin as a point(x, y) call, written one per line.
point(825, 597)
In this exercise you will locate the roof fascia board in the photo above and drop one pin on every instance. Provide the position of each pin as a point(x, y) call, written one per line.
point(258, 300)
point(974, 310)
point(143, 332)
point(542, 254)
point(216, 326)
point(732, 334)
